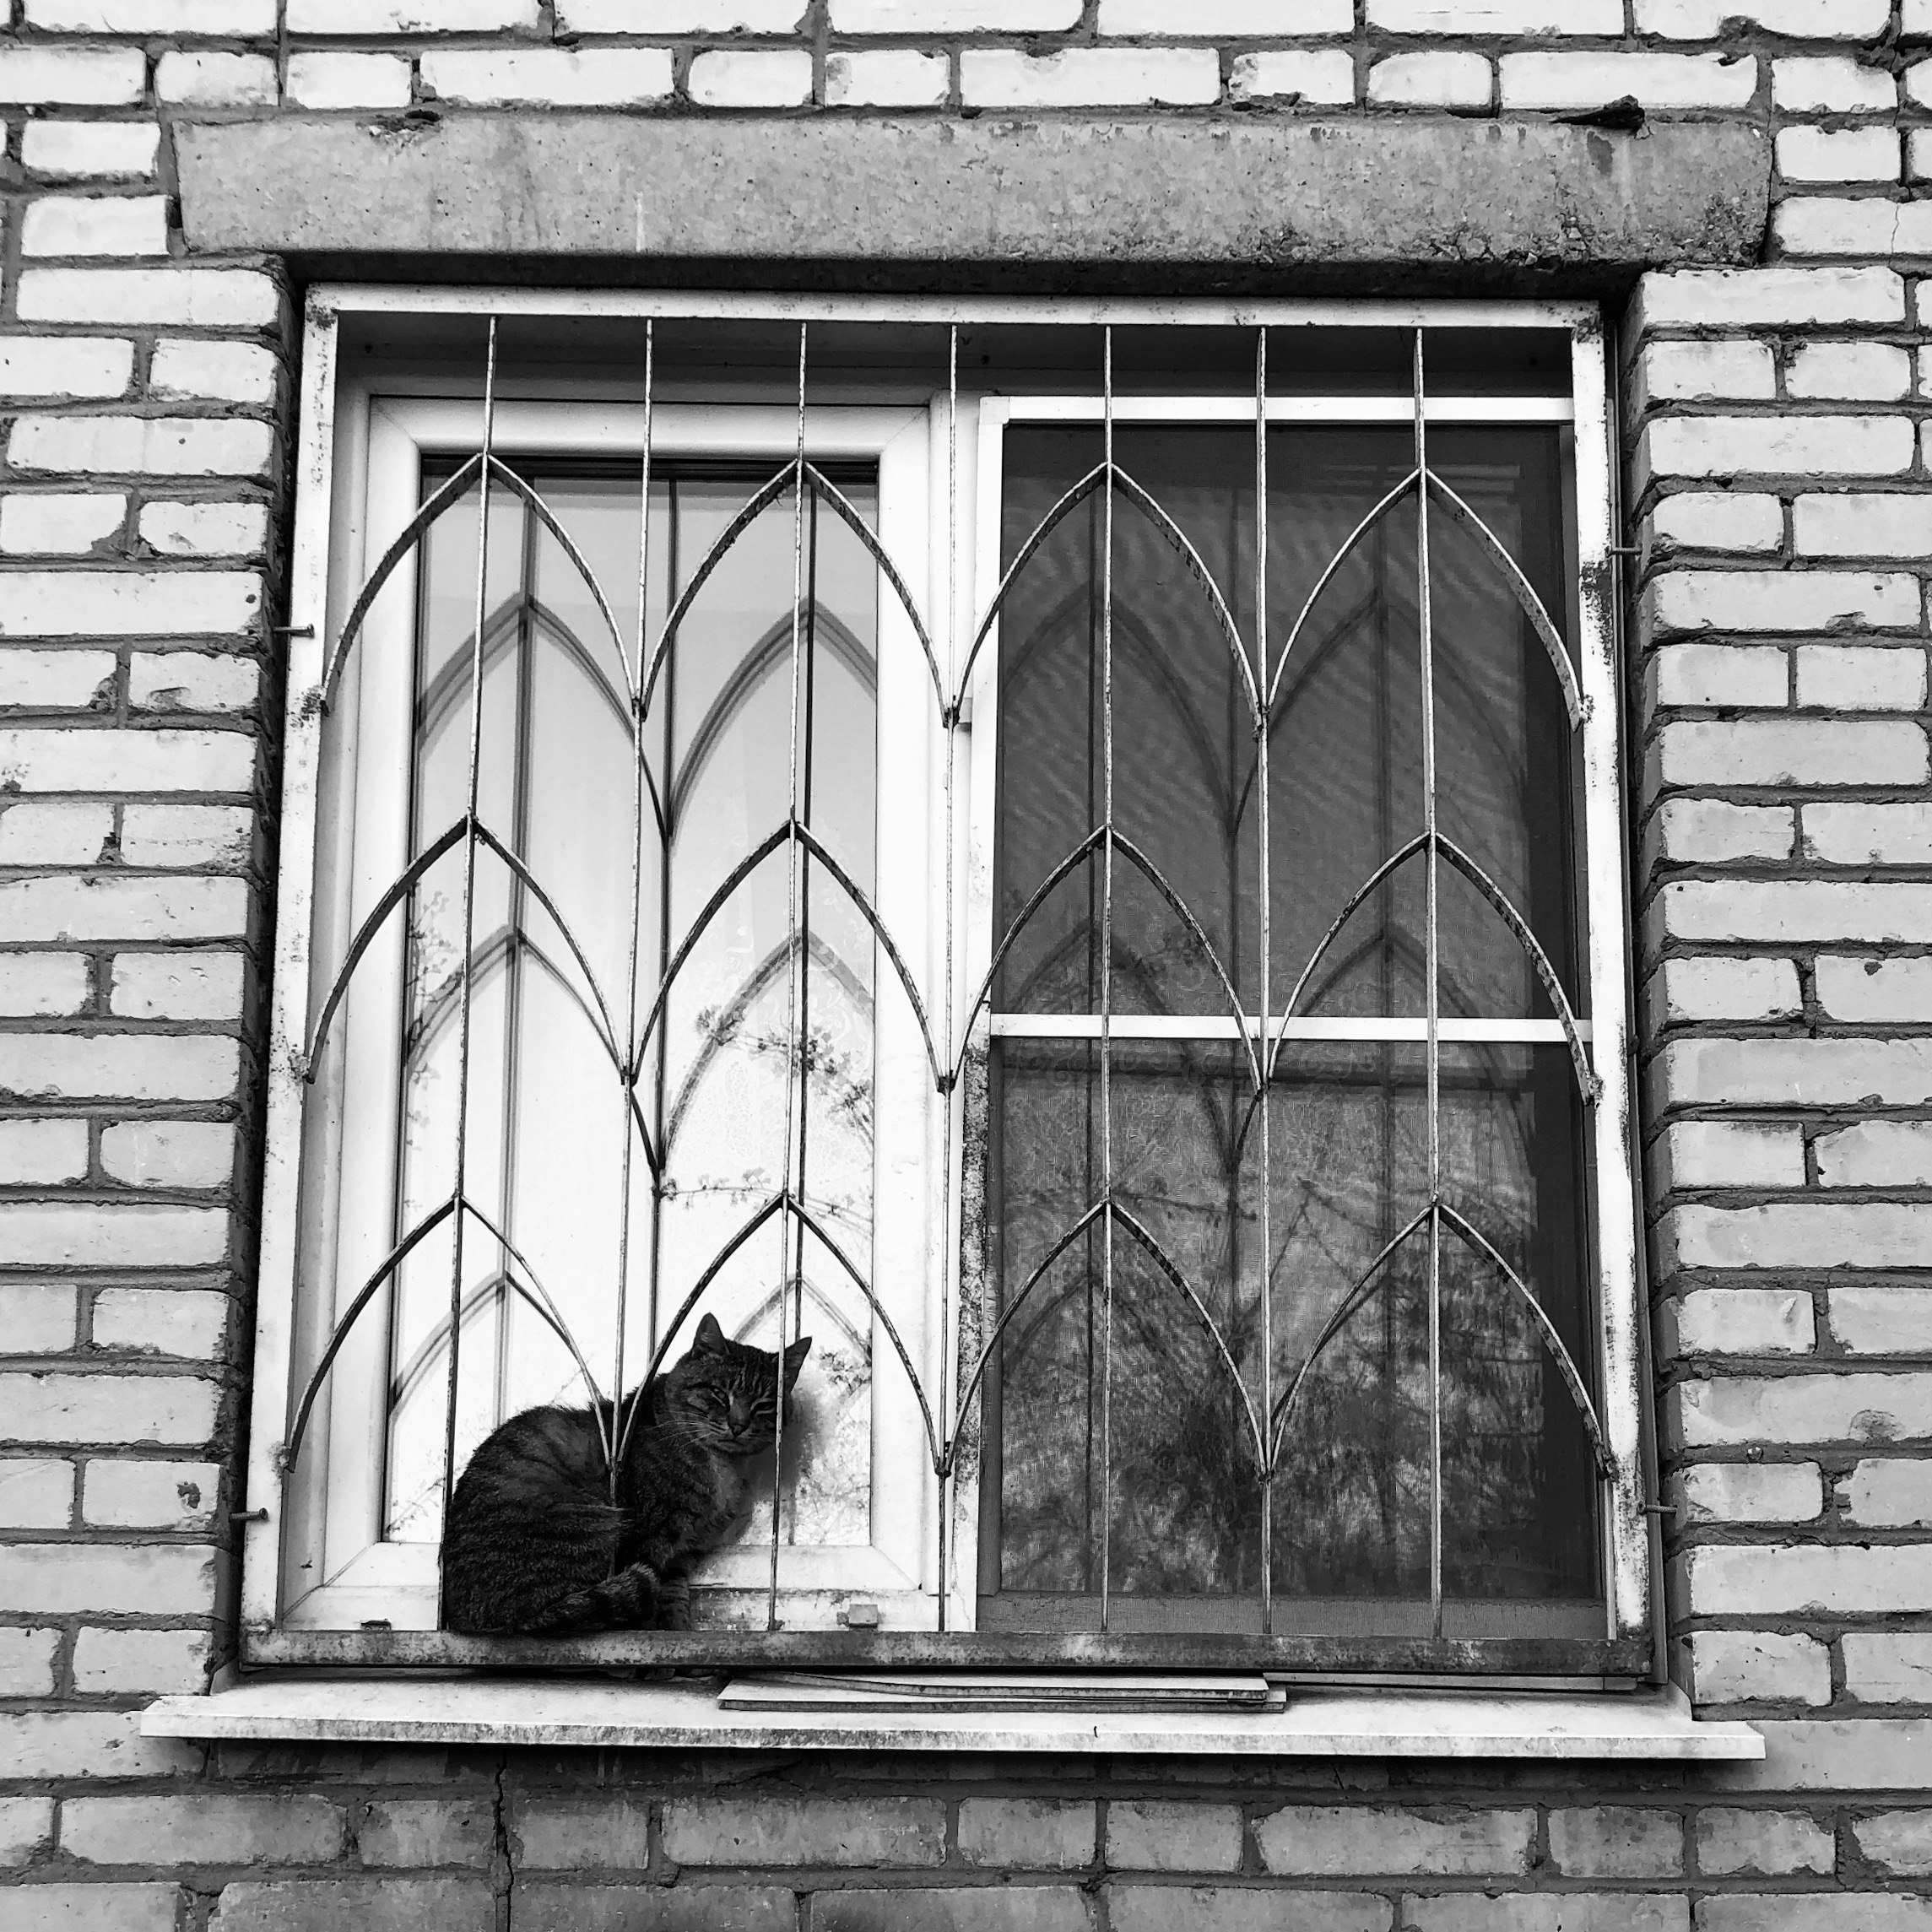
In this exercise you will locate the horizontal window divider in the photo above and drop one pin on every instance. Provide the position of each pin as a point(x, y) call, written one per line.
point(1223, 1027)
point(1240, 410)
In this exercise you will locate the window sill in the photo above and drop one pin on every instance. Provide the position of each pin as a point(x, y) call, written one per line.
point(1631, 1725)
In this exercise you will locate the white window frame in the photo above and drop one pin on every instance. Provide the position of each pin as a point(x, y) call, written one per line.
point(346, 436)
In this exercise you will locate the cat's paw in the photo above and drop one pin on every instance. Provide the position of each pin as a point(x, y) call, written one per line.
point(674, 1605)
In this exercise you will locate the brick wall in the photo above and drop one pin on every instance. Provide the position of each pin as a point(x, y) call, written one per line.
point(1778, 487)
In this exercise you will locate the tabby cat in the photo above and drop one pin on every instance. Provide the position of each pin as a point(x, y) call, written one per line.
point(533, 1541)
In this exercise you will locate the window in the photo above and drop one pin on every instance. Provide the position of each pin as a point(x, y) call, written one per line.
point(1071, 852)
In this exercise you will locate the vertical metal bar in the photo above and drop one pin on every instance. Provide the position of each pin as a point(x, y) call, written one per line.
point(948, 1097)
point(628, 1085)
point(789, 1222)
point(804, 938)
point(1262, 998)
point(667, 785)
point(459, 1219)
point(1433, 997)
point(1106, 990)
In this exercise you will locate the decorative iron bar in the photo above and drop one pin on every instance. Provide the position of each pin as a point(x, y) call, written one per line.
point(633, 1030)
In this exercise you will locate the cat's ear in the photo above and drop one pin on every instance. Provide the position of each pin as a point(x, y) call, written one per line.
point(710, 1338)
point(795, 1359)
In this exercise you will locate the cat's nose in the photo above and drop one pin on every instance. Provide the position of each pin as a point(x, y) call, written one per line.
point(740, 1415)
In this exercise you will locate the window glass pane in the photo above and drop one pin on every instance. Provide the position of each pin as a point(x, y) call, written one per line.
point(545, 1127)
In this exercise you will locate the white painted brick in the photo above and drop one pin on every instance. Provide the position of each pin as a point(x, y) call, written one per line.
point(1717, 520)
point(1720, 1072)
point(1770, 298)
point(1799, 1234)
point(1712, 832)
point(92, 1744)
point(1889, 1493)
point(123, 604)
point(90, 150)
point(1733, 1842)
point(1796, 1578)
point(1691, 990)
point(1831, 84)
point(1030, 1834)
point(1154, 1835)
point(26, 1830)
point(1496, 16)
point(1821, 224)
point(32, 984)
point(1324, 78)
point(64, 834)
point(1795, 911)
point(186, 1321)
point(1804, 751)
point(190, 298)
point(1869, 834)
point(40, 1317)
point(961, 16)
point(1799, 19)
point(1878, 1153)
point(222, 371)
point(204, 529)
point(1738, 1321)
point(1322, 1840)
point(1780, 601)
point(1236, 19)
point(1704, 372)
point(64, 365)
point(322, 81)
point(157, 446)
point(1881, 1321)
point(1744, 1412)
point(27, 1671)
point(35, 1495)
point(1730, 1154)
point(722, 1829)
point(1729, 676)
point(214, 19)
point(89, 76)
point(1430, 80)
point(95, 225)
point(170, 1153)
point(1866, 371)
point(602, 76)
point(681, 16)
point(118, 1066)
point(1862, 523)
point(216, 80)
point(39, 760)
point(55, 1234)
point(898, 77)
point(151, 1579)
point(1749, 1492)
point(99, 905)
point(1752, 1666)
point(221, 835)
point(177, 986)
point(1887, 1669)
point(1738, 446)
point(38, 1150)
point(1851, 677)
point(1616, 1841)
point(56, 680)
point(736, 76)
point(1896, 1841)
point(1655, 80)
point(206, 1828)
point(60, 524)
point(122, 1494)
point(1090, 77)
point(51, 1407)
point(415, 1831)
point(122, 1662)
point(1847, 155)
point(192, 681)
point(409, 16)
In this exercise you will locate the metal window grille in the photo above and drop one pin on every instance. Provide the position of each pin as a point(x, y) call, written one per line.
point(964, 1015)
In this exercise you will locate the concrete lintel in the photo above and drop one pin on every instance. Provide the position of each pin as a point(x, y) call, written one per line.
point(1239, 193)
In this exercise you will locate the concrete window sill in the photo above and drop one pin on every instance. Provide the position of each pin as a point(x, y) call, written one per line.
point(1354, 1722)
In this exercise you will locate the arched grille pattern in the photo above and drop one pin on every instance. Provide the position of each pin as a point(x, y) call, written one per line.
point(630, 662)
